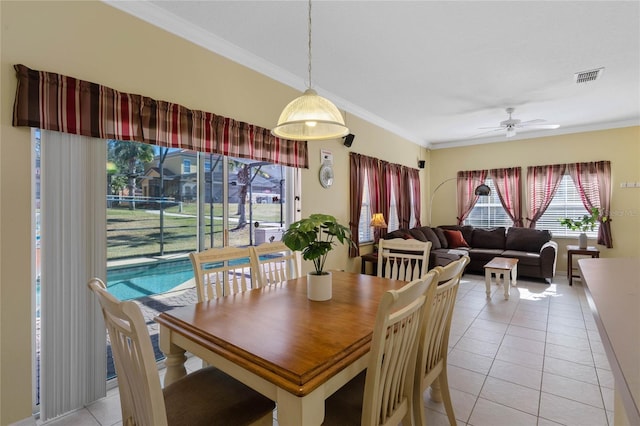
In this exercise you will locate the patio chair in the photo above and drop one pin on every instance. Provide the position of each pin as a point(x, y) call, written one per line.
point(401, 259)
point(205, 397)
point(274, 263)
point(431, 368)
point(222, 271)
point(382, 395)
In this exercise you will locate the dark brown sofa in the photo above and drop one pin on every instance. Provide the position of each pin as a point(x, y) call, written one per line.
point(533, 248)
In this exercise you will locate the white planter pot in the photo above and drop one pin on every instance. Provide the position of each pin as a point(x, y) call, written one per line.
point(582, 241)
point(319, 286)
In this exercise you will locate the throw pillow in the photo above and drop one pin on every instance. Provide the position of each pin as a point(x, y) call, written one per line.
point(488, 238)
point(455, 238)
point(418, 234)
point(527, 239)
point(443, 240)
point(431, 236)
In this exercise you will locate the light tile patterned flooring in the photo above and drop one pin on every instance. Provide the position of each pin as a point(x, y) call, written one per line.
point(536, 359)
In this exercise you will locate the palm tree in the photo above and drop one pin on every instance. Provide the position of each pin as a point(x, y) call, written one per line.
point(130, 158)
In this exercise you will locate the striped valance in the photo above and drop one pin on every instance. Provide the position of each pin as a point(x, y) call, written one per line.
point(65, 104)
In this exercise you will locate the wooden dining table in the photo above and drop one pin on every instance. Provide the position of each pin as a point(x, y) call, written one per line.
point(291, 349)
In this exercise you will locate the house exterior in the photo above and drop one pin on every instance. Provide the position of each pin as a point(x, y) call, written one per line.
point(180, 169)
point(96, 42)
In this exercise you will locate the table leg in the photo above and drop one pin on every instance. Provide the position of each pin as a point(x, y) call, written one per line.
point(295, 411)
point(506, 278)
point(514, 275)
point(570, 268)
point(175, 358)
point(487, 282)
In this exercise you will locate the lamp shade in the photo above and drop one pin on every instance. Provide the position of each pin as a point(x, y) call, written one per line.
point(482, 190)
point(310, 117)
point(377, 221)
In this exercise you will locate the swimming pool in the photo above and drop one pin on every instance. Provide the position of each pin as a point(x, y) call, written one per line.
point(132, 282)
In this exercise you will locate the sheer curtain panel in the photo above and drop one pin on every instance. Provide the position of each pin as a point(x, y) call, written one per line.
point(507, 184)
point(467, 182)
point(73, 244)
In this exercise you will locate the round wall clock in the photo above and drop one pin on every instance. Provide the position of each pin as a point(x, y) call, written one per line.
point(326, 175)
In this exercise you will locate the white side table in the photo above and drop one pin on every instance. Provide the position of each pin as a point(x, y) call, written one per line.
point(502, 267)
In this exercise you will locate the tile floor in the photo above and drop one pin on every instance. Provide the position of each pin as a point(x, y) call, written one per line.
point(535, 359)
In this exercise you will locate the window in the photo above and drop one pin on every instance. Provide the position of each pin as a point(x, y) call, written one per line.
point(365, 232)
point(392, 221)
point(566, 203)
point(488, 211)
point(186, 167)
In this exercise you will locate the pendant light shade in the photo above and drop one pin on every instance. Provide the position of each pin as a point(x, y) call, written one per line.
point(310, 117)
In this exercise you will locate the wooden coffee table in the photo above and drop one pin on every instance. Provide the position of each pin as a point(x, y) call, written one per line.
point(503, 267)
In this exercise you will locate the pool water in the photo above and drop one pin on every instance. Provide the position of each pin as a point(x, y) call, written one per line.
point(132, 282)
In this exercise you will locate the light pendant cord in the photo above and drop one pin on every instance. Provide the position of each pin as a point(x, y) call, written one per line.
point(309, 28)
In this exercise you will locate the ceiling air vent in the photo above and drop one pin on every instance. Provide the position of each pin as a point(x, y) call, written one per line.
point(587, 76)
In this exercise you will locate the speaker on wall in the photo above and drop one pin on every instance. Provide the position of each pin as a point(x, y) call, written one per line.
point(421, 164)
point(348, 140)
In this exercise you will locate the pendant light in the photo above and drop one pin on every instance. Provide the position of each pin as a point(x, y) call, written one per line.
point(310, 117)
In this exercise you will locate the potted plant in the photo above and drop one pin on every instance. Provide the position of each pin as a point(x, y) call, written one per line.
point(586, 223)
point(315, 237)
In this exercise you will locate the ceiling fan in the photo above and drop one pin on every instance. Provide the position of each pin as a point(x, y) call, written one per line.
point(512, 124)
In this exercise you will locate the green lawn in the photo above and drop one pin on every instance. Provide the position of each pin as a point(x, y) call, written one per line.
point(136, 233)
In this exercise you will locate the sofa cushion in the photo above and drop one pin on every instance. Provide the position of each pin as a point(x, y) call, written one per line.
point(455, 238)
point(443, 240)
point(524, 258)
point(491, 238)
point(442, 257)
point(418, 234)
point(484, 255)
point(431, 236)
point(398, 233)
point(527, 239)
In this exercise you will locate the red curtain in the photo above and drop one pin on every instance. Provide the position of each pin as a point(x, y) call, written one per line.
point(542, 184)
point(467, 182)
point(357, 178)
point(56, 102)
point(380, 176)
point(507, 184)
point(414, 179)
point(593, 181)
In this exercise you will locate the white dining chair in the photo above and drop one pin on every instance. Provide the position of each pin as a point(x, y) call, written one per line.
point(382, 394)
point(206, 397)
point(222, 271)
point(431, 369)
point(274, 263)
point(403, 259)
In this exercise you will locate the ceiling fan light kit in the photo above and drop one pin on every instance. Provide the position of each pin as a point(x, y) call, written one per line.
point(310, 116)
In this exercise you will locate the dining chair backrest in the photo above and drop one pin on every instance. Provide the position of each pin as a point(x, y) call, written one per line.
point(434, 338)
point(402, 259)
point(390, 372)
point(274, 263)
point(142, 401)
point(204, 397)
point(222, 271)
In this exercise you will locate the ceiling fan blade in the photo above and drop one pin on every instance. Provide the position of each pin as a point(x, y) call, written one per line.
point(528, 122)
point(543, 126)
point(493, 127)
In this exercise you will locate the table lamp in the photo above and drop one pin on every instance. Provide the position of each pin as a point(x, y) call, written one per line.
point(378, 222)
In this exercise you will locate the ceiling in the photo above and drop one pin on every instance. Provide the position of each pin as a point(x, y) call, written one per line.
point(434, 72)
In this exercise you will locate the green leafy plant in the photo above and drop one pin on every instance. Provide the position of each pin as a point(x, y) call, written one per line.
point(586, 223)
point(315, 237)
